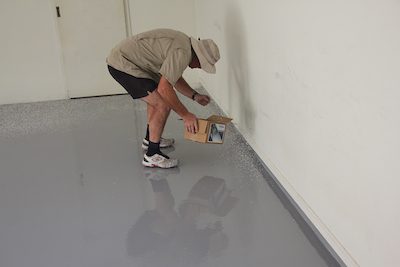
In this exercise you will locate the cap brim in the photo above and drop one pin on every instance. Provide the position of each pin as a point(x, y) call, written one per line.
point(207, 67)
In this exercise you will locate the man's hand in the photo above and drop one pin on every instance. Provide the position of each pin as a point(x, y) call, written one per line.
point(191, 124)
point(202, 99)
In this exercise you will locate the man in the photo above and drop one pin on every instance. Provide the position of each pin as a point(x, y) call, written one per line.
point(149, 66)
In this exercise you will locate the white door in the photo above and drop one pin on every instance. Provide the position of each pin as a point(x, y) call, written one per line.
point(89, 29)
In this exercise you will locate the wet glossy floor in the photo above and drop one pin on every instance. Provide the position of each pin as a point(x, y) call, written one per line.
point(73, 193)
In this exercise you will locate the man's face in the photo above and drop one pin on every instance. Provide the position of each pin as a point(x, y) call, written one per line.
point(195, 63)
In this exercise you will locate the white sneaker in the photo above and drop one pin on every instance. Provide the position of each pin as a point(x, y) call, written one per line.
point(164, 143)
point(159, 161)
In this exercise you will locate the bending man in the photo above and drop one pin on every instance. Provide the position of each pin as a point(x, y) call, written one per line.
point(149, 66)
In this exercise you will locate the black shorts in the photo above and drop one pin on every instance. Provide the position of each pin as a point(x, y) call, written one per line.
point(136, 87)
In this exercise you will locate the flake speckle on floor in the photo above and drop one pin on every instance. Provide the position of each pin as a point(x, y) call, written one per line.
point(73, 193)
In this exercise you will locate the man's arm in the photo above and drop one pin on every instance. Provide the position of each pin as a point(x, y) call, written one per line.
point(184, 88)
point(168, 94)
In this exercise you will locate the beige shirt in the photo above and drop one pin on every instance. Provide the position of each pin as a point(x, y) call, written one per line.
point(153, 54)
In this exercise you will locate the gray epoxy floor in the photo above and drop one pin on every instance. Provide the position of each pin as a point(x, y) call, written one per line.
point(73, 193)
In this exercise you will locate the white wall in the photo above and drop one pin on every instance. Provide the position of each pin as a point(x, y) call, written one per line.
point(173, 14)
point(30, 68)
point(314, 88)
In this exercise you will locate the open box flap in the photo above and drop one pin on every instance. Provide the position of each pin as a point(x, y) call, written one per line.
point(202, 126)
point(219, 119)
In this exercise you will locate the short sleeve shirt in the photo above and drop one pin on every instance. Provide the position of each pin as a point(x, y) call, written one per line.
point(152, 54)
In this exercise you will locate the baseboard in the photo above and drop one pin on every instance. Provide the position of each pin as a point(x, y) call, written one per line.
point(96, 96)
point(328, 247)
point(312, 227)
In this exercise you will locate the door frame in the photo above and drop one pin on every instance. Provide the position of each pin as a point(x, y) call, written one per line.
point(54, 4)
point(128, 21)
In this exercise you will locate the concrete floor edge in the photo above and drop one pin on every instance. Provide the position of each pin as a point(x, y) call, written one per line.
point(323, 248)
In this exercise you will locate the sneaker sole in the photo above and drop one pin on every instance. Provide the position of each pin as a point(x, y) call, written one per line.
point(150, 165)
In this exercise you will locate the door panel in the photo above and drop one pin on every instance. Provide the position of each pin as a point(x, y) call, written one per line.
point(30, 62)
point(89, 29)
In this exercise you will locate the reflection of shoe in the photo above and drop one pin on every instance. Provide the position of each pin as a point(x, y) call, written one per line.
point(159, 174)
point(159, 161)
point(164, 143)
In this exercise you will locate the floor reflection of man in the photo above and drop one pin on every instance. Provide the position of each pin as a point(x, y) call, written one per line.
point(165, 237)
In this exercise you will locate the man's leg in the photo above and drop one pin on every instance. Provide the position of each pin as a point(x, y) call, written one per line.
point(158, 112)
point(164, 142)
point(157, 115)
point(151, 112)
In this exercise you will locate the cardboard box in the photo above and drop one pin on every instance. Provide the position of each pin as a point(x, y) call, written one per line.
point(211, 130)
